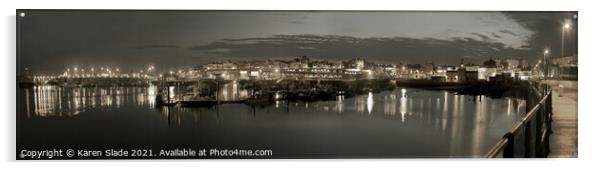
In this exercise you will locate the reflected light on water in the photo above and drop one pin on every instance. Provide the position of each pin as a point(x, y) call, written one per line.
point(151, 94)
point(456, 128)
point(70, 101)
point(390, 104)
point(119, 98)
point(403, 106)
point(340, 105)
point(463, 124)
point(360, 104)
point(480, 124)
point(370, 102)
point(444, 112)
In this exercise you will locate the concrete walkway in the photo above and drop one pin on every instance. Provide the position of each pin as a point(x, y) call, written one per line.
point(563, 141)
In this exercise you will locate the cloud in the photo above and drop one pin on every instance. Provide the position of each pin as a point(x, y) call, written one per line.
point(52, 40)
point(219, 50)
point(334, 47)
point(547, 28)
point(509, 32)
point(156, 46)
point(495, 35)
point(483, 37)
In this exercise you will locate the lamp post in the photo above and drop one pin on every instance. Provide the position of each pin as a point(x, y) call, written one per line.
point(564, 28)
point(545, 64)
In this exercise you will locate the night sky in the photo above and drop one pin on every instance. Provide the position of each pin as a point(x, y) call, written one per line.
point(49, 41)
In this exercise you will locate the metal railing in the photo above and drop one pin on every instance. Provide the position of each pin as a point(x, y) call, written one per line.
point(531, 136)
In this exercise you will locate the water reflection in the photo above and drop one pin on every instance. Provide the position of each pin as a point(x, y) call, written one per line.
point(403, 102)
point(340, 104)
point(45, 101)
point(370, 102)
point(445, 123)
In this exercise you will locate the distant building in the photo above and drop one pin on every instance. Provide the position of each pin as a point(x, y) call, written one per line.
point(356, 63)
point(483, 73)
point(302, 62)
point(510, 64)
point(462, 75)
point(452, 75)
point(523, 65)
point(502, 77)
point(428, 68)
point(471, 75)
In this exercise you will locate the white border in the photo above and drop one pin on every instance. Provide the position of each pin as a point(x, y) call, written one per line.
point(589, 140)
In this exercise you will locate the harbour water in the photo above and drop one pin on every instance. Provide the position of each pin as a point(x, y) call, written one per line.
point(404, 122)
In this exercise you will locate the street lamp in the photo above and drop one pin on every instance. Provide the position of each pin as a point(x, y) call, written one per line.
point(545, 64)
point(564, 28)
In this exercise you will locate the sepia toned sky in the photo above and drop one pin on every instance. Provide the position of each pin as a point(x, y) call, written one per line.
point(50, 40)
